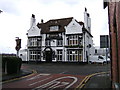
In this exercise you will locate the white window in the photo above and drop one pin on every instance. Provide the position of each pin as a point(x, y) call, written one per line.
point(59, 42)
point(59, 55)
point(54, 28)
point(74, 55)
point(47, 43)
point(34, 42)
point(73, 40)
point(35, 55)
point(38, 41)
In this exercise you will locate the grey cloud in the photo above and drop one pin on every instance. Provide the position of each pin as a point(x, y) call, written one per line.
point(8, 6)
point(70, 2)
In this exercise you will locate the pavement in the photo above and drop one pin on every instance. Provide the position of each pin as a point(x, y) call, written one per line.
point(94, 81)
point(22, 73)
point(99, 81)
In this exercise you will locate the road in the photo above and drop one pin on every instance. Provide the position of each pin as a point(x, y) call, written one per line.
point(53, 75)
point(63, 68)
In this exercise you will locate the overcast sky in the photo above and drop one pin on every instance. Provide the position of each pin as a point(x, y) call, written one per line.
point(15, 18)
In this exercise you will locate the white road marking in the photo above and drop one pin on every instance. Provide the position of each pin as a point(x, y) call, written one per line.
point(57, 84)
point(39, 81)
point(37, 76)
point(62, 84)
point(63, 72)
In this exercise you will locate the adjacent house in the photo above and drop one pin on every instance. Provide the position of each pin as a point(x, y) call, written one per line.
point(60, 40)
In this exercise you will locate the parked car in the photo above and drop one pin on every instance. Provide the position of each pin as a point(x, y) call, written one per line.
point(97, 59)
point(108, 58)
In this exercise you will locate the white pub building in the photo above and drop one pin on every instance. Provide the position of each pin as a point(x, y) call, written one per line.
point(60, 40)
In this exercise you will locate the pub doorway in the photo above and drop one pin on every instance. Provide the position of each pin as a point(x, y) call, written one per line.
point(48, 54)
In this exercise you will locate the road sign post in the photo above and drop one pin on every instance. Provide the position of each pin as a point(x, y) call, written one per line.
point(104, 43)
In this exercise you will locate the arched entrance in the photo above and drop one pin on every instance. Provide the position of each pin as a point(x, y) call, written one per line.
point(48, 54)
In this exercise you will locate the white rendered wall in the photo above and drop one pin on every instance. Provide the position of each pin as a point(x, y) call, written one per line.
point(23, 54)
point(100, 51)
point(53, 42)
point(87, 21)
point(90, 50)
point(73, 27)
point(89, 24)
point(43, 39)
point(34, 31)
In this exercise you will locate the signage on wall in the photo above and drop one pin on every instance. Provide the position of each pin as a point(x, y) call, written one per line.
point(73, 52)
point(53, 35)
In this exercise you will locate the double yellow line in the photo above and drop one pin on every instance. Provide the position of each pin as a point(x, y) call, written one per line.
point(33, 72)
point(85, 80)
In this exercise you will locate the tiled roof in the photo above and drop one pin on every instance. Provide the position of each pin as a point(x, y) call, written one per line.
point(81, 23)
point(54, 22)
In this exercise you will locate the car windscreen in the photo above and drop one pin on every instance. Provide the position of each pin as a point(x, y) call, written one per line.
point(100, 57)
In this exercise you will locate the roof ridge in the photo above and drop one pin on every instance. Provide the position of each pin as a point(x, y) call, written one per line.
point(61, 18)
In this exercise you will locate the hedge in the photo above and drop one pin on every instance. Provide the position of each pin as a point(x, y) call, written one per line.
point(11, 64)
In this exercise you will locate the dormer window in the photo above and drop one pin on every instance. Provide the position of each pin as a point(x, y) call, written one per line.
point(54, 28)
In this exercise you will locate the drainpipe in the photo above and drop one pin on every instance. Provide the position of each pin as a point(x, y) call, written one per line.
point(64, 47)
point(84, 41)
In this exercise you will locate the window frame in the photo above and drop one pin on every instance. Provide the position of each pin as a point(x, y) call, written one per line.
point(59, 54)
point(59, 42)
point(54, 28)
point(77, 56)
point(34, 55)
point(34, 42)
point(47, 42)
point(73, 40)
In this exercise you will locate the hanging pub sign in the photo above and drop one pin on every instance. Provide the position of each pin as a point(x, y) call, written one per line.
point(18, 44)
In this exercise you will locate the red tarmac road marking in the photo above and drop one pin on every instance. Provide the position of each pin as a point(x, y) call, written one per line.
point(47, 81)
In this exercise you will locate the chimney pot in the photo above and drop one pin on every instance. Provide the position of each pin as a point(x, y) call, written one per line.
point(85, 9)
point(33, 15)
point(42, 21)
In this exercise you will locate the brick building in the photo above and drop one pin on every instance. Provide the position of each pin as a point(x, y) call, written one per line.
point(114, 31)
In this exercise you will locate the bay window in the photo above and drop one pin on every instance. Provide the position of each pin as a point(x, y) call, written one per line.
point(73, 40)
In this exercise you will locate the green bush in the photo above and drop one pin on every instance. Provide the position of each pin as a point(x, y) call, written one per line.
point(13, 64)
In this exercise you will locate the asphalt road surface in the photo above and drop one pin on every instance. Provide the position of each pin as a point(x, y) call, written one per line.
point(52, 76)
point(68, 68)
